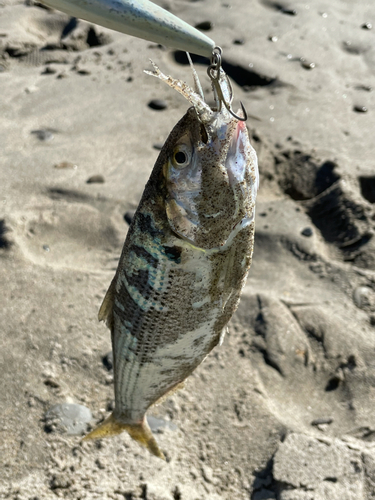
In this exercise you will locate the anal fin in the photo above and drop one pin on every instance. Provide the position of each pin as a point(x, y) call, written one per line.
point(171, 391)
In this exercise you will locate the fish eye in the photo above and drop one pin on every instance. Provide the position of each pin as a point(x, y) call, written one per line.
point(181, 156)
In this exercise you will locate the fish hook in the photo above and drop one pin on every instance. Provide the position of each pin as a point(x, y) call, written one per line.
point(213, 72)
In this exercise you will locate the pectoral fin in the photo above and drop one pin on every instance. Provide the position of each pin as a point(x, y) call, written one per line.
point(222, 335)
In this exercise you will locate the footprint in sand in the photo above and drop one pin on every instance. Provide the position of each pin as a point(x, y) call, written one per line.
point(309, 361)
point(341, 210)
point(69, 235)
point(39, 36)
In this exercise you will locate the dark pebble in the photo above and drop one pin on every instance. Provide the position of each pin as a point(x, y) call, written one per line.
point(108, 360)
point(50, 382)
point(289, 12)
point(49, 71)
point(366, 88)
point(204, 26)
point(307, 232)
point(157, 104)
point(360, 109)
point(158, 46)
point(158, 146)
point(307, 65)
point(366, 26)
point(322, 420)
point(43, 134)
point(95, 179)
point(128, 217)
point(83, 72)
point(239, 41)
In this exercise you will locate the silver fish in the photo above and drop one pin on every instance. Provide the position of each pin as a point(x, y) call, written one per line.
point(185, 259)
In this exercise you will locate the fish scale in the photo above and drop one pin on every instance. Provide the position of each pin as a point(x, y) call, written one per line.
point(184, 262)
point(158, 316)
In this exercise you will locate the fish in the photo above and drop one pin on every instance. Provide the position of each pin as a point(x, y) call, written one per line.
point(185, 259)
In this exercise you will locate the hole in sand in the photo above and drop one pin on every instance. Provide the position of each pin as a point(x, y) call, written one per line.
point(333, 384)
point(93, 39)
point(4, 242)
point(367, 185)
point(335, 214)
point(300, 175)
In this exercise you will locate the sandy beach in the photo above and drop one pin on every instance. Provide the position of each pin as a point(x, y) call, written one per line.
point(285, 408)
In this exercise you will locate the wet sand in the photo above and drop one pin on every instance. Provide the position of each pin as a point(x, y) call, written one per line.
point(285, 408)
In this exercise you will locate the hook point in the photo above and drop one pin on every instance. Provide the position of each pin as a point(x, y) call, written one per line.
point(239, 118)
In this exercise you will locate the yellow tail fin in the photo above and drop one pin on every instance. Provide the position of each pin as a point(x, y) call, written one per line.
point(139, 432)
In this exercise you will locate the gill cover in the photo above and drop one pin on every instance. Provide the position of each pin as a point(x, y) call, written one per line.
point(183, 175)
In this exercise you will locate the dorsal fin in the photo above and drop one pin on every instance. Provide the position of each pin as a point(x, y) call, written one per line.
point(106, 309)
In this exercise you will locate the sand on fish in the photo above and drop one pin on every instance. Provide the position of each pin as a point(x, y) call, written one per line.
point(285, 408)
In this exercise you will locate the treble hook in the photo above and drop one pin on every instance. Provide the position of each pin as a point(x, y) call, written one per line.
point(213, 72)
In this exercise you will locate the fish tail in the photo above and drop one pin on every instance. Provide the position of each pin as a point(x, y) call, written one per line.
point(109, 427)
point(140, 432)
